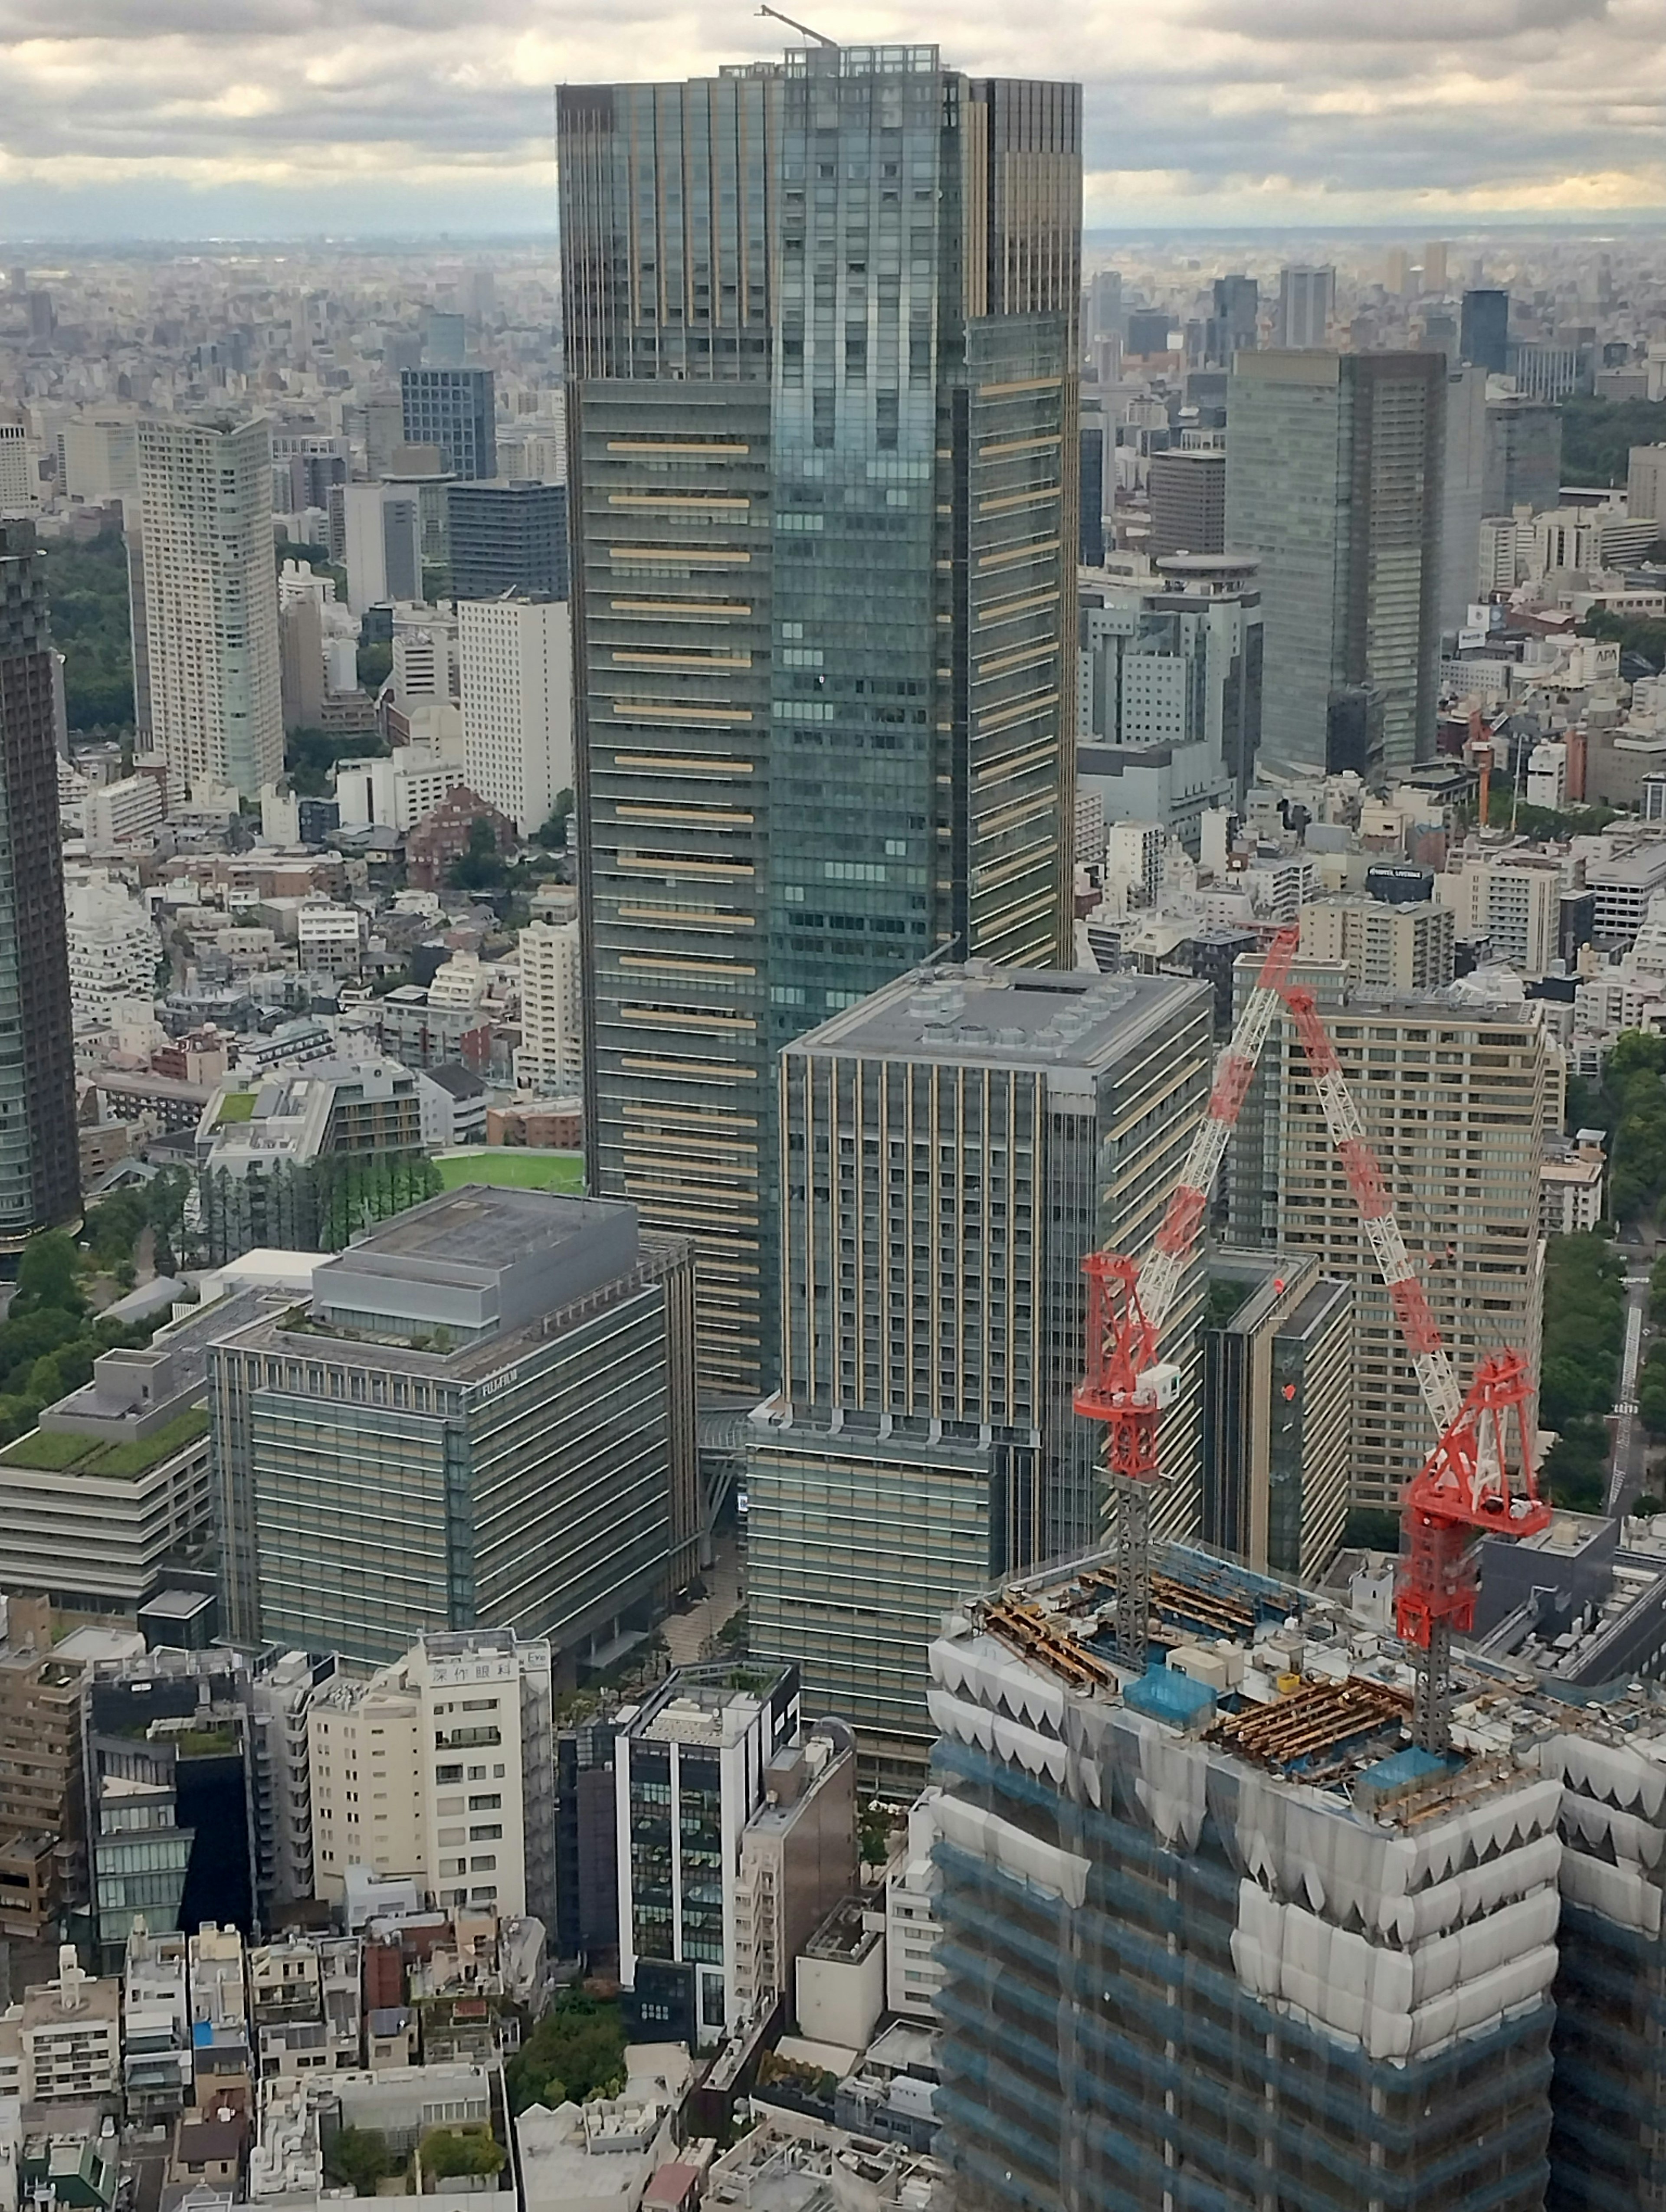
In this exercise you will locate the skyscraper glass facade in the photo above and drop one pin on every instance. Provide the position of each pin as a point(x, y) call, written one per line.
point(822, 424)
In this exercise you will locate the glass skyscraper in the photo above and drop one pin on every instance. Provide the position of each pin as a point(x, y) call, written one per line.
point(821, 419)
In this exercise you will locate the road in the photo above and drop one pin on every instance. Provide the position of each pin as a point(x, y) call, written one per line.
point(1630, 1445)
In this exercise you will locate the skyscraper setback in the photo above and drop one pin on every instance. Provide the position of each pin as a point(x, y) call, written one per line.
point(823, 431)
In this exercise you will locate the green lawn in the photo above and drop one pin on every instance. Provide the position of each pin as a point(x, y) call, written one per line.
point(63, 1451)
point(524, 1170)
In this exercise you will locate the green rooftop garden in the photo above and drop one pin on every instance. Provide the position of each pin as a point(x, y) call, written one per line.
point(66, 1454)
point(521, 1170)
point(235, 1106)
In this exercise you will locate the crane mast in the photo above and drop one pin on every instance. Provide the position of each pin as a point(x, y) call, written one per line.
point(1464, 1486)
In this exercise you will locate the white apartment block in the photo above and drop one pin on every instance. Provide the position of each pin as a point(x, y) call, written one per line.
point(1455, 1101)
point(210, 616)
point(1571, 1186)
point(1624, 885)
point(20, 468)
point(516, 659)
point(113, 948)
point(1515, 906)
point(116, 812)
point(438, 1771)
point(329, 934)
point(1383, 947)
point(549, 1058)
point(396, 793)
point(66, 2037)
point(913, 1973)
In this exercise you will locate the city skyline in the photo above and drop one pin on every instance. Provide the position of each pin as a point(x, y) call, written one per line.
point(408, 119)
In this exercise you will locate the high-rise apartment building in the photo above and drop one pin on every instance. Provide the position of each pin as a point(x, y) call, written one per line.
point(383, 549)
point(1306, 307)
point(483, 1418)
point(456, 410)
point(550, 1057)
point(1645, 483)
point(1454, 1095)
point(507, 537)
point(1333, 477)
point(1168, 712)
point(439, 1770)
point(821, 340)
point(210, 591)
point(39, 1169)
point(1484, 330)
point(1383, 946)
point(515, 677)
point(953, 1146)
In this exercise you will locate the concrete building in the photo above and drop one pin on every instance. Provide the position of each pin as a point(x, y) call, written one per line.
point(397, 793)
point(157, 2072)
point(1623, 885)
point(954, 1146)
point(1570, 1185)
point(1514, 906)
point(690, 1768)
point(115, 812)
point(1453, 1092)
point(798, 1856)
point(515, 667)
point(483, 1419)
point(1305, 308)
point(113, 949)
point(1278, 1406)
point(1524, 464)
point(1645, 483)
point(1463, 489)
point(70, 2036)
point(508, 537)
point(40, 1173)
point(210, 607)
point(1383, 947)
point(383, 524)
point(914, 1973)
point(549, 1059)
point(805, 592)
point(455, 410)
point(1333, 479)
point(440, 1770)
point(1188, 494)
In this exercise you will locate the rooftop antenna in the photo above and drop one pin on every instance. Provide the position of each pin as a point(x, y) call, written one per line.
point(820, 37)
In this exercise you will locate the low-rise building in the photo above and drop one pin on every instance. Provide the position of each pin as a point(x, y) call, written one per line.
point(913, 1973)
point(798, 1856)
point(157, 2070)
point(70, 2031)
point(1570, 1184)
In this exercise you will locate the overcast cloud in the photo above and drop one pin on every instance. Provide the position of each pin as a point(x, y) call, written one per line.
point(219, 115)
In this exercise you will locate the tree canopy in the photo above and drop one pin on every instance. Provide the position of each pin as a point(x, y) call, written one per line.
point(1598, 434)
point(86, 589)
point(576, 2050)
point(1584, 1329)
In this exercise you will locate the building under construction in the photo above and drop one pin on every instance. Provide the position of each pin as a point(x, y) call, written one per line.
point(1217, 1936)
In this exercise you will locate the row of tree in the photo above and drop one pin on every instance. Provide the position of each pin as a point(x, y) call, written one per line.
point(1584, 1332)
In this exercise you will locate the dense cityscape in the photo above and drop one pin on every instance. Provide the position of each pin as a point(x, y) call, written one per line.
point(832, 1163)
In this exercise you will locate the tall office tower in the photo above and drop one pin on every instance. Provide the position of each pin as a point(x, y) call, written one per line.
point(1170, 709)
point(1333, 476)
point(549, 1058)
point(821, 339)
point(1091, 521)
point(383, 544)
point(1453, 1098)
point(507, 537)
point(1396, 270)
point(1232, 327)
point(483, 1419)
point(1187, 493)
point(1524, 459)
point(1462, 491)
point(952, 1147)
point(39, 1167)
point(1435, 254)
point(1105, 304)
point(1278, 1410)
point(456, 410)
point(210, 600)
point(515, 671)
point(1306, 309)
point(1484, 330)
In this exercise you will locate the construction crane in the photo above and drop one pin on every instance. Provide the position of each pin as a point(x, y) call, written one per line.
point(1126, 1385)
point(1465, 1483)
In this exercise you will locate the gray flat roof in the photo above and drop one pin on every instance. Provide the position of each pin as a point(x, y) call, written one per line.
point(1003, 1017)
point(483, 1226)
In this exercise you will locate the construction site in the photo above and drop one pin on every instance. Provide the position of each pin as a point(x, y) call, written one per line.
point(1250, 1906)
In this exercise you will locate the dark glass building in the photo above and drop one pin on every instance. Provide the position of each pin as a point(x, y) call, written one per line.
point(507, 537)
point(40, 1173)
point(454, 409)
point(822, 421)
point(1483, 330)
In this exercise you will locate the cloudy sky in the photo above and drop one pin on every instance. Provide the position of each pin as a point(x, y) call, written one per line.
point(218, 117)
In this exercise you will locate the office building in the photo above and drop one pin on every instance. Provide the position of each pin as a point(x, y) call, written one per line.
point(20, 465)
point(515, 673)
point(1645, 483)
point(840, 423)
point(954, 1146)
point(1187, 493)
point(1385, 946)
point(440, 1770)
point(483, 1418)
point(1523, 462)
point(383, 551)
point(455, 410)
point(1514, 906)
point(799, 1853)
point(1232, 1987)
point(1463, 490)
point(1277, 1411)
point(1484, 330)
point(1306, 307)
point(1454, 1093)
point(1232, 327)
point(690, 1763)
point(40, 1173)
point(209, 601)
point(1333, 479)
point(1168, 706)
point(549, 1058)
point(508, 537)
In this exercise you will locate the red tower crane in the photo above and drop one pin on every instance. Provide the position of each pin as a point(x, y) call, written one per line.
point(1464, 1486)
